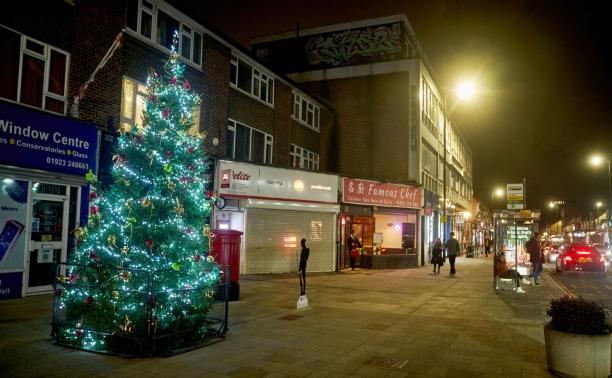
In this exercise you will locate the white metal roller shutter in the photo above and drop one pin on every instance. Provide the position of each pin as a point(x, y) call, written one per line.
point(273, 240)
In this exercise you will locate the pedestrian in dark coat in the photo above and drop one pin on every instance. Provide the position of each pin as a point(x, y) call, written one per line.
point(452, 250)
point(302, 266)
point(436, 256)
point(352, 243)
point(535, 256)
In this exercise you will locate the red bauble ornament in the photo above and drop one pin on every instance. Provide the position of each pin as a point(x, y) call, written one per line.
point(149, 243)
point(186, 85)
point(93, 196)
point(172, 81)
point(191, 167)
point(93, 210)
point(190, 149)
point(188, 230)
point(79, 332)
point(73, 278)
point(165, 112)
point(89, 300)
point(92, 255)
point(152, 98)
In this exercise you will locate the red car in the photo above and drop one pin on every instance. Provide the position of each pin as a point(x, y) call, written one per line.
point(581, 257)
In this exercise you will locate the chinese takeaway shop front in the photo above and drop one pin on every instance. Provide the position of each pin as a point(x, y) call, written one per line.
point(385, 218)
point(275, 208)
point(43, 194)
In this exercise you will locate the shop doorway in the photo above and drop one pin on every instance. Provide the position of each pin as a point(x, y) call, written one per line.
point(364, 231)
point(53, 213)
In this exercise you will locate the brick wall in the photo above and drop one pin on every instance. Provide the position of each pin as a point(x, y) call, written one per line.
point(370, 136)
point(45, 21)
point(215, 95)
point(96, 25)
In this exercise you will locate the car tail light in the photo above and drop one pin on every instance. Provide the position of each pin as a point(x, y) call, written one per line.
point(568, 258)
point(583, 252)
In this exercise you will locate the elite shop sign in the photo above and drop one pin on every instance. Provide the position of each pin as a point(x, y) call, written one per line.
point(381, 194)
point(36, 140)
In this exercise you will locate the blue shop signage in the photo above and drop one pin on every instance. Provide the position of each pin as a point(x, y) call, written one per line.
point(41, 141)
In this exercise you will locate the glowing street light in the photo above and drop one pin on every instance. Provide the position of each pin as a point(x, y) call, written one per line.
point(466, 90)
point(497, 192)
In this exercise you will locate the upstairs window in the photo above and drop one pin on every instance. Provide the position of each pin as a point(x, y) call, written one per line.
point(306, 112)
point(143, 17)
point(133, 96)
point(245, 143)
point(302, 158)
point(33, 73)
point(251, 80)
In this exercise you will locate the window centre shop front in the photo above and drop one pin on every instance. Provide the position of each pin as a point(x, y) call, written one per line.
point(43, 194)
point(385, 218)
point(275, 208)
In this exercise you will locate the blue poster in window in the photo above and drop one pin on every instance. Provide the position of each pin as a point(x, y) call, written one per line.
point(38, 140)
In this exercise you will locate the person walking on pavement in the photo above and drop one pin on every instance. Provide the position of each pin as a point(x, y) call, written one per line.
point(452, 250)
point(436, 256)
point(535, 256)
point(352, 244)
point(302, 266)
point(487, 247)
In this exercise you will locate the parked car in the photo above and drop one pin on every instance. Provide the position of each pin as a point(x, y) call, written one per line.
point(551, 252)
point(581, 257)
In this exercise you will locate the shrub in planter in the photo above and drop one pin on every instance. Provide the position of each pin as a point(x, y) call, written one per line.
point(578, 315)
point(577, 338)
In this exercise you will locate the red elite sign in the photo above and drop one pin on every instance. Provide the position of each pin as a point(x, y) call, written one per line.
point(376, 193)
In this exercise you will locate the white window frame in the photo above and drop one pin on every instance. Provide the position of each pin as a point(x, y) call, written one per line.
point(268, 141)
point(303, 158)
point(132, 121)
point(46, 58)
point(152, 40)
point(258, 80)
point(302, 108)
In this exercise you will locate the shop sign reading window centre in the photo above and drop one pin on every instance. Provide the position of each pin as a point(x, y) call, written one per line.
point(242, 180)
point(382, 194)
point(37, 140)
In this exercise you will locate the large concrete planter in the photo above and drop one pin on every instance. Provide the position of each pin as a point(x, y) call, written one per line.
point(575, 355)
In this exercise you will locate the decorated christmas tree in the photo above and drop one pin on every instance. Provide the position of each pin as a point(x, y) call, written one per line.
point(141, 272)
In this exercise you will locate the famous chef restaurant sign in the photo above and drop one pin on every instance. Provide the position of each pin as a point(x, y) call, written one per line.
point(376, 193)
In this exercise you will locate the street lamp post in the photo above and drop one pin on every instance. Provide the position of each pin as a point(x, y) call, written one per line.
point(465, 91)
point(557, 204)
point(598, 160)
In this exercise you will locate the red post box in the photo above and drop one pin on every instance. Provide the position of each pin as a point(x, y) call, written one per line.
point(226, 251)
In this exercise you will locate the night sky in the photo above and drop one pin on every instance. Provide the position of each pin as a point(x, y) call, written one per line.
point(543, 69)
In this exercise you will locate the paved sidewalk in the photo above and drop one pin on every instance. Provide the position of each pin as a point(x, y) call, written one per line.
point(387, 323)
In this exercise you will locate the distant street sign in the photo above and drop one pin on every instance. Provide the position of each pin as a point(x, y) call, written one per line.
point(515, 196)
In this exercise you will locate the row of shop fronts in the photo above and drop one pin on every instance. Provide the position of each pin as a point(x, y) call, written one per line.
point(44, 195)
point(275, 208)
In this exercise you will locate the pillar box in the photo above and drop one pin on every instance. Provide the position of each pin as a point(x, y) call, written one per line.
point(226, 251)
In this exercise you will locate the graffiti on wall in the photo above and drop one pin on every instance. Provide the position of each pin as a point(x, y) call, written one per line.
point(345, 47)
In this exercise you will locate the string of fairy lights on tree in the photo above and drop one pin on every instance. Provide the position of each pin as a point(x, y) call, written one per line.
point(141, 265)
